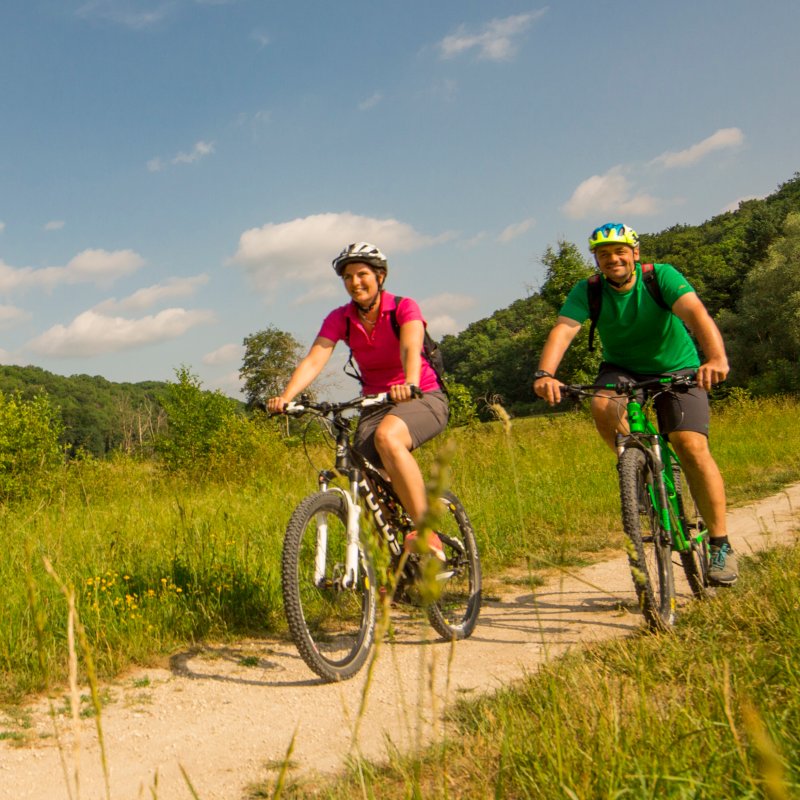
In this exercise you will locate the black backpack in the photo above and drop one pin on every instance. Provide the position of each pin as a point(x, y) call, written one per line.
point(430, 349)
point(595, 290)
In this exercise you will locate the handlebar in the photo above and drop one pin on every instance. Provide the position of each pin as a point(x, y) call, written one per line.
point(297, 408)
point(680, 383)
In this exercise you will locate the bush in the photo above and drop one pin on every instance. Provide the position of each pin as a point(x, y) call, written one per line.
point(29, 448)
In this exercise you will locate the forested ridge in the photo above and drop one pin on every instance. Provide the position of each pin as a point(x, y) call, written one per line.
point(96, 415)
point(744, 264)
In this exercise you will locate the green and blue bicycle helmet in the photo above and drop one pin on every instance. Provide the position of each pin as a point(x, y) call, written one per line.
point(613, 233)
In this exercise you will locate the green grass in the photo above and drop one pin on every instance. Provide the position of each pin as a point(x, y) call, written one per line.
point(159, 563)
point(711, 711)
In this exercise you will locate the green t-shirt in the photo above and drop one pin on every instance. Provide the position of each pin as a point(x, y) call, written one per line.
point(635, 331)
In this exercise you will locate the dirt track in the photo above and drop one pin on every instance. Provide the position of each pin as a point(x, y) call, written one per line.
point(227, 715)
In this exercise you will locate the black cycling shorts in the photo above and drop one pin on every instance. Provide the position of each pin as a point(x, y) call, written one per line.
point(676, 411)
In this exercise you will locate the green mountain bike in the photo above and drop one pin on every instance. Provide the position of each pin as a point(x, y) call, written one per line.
point(344, 545)
point(654, 502)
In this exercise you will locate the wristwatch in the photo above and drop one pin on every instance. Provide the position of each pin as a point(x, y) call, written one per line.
point(542, 373)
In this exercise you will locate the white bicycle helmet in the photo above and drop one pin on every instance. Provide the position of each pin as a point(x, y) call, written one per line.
point(363, 252)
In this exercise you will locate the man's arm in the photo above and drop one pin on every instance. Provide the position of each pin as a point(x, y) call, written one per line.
point(690, 309)
point(558, 341)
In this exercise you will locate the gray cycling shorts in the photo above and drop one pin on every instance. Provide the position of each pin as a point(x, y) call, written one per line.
point(676, 411)
point(425, 417)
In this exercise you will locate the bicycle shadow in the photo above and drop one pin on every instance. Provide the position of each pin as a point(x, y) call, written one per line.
point(237, 664)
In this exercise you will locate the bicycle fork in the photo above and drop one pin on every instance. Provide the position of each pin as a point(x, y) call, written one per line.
point(349, 578)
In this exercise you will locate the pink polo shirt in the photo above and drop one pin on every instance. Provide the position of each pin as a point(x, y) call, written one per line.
point(378, 354)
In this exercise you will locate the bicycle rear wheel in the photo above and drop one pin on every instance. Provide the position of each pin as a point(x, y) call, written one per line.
point(650, 552)
point(455, 612)
point(333, 626)
point(695, 561)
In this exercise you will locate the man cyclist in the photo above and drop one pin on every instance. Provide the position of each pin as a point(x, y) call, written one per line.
point(640, 340)
point(388, 361)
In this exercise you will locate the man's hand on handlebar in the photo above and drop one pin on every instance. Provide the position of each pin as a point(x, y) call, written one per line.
point(548, 389)
point(711, 373)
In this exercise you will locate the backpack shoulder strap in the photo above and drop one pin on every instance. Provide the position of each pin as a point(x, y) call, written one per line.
point(350, 368)
point(393, 316)
point(651, 282)
point(594, 288)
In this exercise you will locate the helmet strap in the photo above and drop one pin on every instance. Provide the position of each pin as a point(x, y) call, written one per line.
point(622, 284)
point(367, 309)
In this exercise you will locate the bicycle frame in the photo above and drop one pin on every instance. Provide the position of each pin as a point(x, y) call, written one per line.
point(361, 482)
point(662, 459)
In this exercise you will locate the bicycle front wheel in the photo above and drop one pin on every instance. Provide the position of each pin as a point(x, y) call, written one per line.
point(455, 612)
point(650, 551)
point(332, 624)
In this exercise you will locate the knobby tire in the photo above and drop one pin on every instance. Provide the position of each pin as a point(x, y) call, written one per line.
point(332, 626)
point(455, 612)
point(650, 552)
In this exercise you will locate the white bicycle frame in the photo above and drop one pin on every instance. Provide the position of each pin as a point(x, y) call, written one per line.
point(351, 564)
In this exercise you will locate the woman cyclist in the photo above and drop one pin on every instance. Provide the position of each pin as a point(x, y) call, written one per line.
point(386, 434)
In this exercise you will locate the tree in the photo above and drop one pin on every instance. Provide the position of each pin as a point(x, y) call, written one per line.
point(29, 447)
point(269, 359)
point(764, 336)
point(564, 269)
point(195, 419)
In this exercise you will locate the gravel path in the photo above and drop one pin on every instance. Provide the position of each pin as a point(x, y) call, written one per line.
point(227, 715)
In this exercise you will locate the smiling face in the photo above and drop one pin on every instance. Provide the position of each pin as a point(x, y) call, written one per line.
point(362, 283)
point(617, 262)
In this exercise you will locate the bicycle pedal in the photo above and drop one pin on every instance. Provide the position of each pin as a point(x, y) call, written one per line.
point(446, 575)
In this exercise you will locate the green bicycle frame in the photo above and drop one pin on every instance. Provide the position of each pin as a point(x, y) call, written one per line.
point(662, 458)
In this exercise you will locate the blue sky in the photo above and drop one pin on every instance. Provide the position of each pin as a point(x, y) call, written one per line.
point(178, 174)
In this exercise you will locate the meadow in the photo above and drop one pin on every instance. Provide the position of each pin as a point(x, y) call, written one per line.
point(153, 562)
point(157, 561)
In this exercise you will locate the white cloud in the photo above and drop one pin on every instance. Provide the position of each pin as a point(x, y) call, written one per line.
point(54, 225)
point(438, 311)
point(260, 38)
point(199, 151)
point(155, 294)
point(2, 226)
point(301, 251)
point(446, 302)
point(89, 266)
point(370, 102)
point(723, 139)
point(124, 12)
point(611, 192)
point(102, 265)
point(515, 230)
point(495, 41)
point(227, 354)
point(11, 316)
point(92, 333)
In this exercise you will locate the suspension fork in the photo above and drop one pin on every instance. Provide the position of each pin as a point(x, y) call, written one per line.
point(352, 560)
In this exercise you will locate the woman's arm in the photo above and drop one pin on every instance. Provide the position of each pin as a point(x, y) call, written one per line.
point(304, 373)
point(412, 335)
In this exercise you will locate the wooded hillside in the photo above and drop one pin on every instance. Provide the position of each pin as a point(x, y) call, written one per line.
point(745, 266)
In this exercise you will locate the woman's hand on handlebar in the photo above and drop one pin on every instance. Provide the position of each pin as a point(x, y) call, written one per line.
point(403, 392)
point(276, 405)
